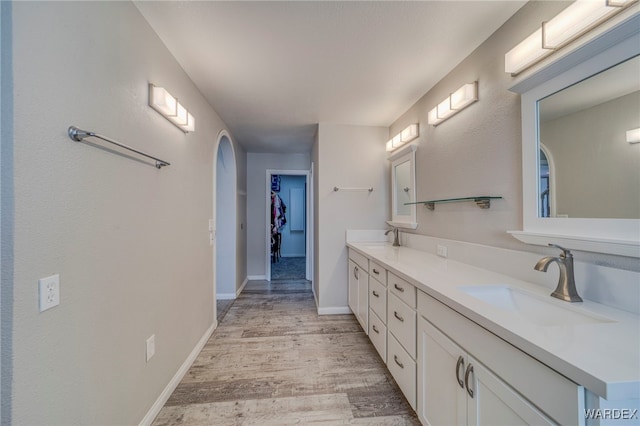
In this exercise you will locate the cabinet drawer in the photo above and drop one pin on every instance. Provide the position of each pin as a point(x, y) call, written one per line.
point(378, 299)
point(401, 288)
point(359, 259)
point(401, 321)
point(378, 334)
point(378, 272)
point(403, 369)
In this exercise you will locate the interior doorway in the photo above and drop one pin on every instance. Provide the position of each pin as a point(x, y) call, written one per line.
point(288, 225)
point(225, 220)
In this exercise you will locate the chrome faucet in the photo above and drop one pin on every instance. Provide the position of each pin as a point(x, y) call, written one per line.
point(396, 240)
point(566, 289)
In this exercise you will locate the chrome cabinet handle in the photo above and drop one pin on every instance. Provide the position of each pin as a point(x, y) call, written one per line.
point(466, 379)
point(400, 289)
point(395, 358)
point(375, 293)
point(459, 363)
point(355, 272)
point(395, 314)
point(375, 271)
point(375, 329)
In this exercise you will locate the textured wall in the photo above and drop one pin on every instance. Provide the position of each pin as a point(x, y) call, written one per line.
point(348, 156)
point(130, 242)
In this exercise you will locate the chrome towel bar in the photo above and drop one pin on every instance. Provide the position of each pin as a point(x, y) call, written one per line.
point(78, 135)
point(336, 189)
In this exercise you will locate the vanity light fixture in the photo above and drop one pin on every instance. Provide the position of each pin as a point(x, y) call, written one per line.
point(580, 17)
point(169, 107)
point(633, 135)
point(407, 135)
point(454, 103)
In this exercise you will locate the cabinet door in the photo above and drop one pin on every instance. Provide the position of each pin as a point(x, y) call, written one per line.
point(490, 401)
point(353, 286)
point(441, 365)
point(363, 300)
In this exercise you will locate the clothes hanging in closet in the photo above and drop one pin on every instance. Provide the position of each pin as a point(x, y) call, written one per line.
point(278, 220)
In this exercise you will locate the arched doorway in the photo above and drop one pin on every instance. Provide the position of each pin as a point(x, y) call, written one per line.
point(225, 217)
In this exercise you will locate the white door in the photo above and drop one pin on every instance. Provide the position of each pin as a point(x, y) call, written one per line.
point(441, 366)
point(363, 300)
point(353, 287)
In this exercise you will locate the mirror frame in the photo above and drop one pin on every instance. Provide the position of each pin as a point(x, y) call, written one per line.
point(406, 153)
point(611, 236)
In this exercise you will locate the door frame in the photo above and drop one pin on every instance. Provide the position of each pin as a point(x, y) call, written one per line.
point(308, 229)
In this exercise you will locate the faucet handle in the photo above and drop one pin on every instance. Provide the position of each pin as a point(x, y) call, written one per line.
point(565, 252)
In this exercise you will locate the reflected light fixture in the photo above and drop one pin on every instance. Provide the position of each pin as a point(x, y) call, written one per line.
point(577, 19)
point(169, 107)
point(633, 135)
point(454, 103)
point(407, 135)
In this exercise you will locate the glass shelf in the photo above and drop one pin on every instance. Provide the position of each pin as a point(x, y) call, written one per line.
point(484, 201)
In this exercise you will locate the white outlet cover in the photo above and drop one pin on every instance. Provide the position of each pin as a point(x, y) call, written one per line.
point(151, 347)
point(49, 292)
point(441, 250)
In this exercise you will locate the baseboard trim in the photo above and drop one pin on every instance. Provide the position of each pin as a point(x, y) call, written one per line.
point(334, 310)
point(225, 296)
point(256, 277)
point(244, 283)
point(173, 383)
point(293, 255)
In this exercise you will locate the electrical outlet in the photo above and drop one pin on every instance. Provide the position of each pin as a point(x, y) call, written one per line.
point(49, 292)
point(441, 250)
point(151, 347)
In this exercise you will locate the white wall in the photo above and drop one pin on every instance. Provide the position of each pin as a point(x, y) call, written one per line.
point(130, 242)
point(293, 242)
point(257, 165)
point(479, 150)
point(348, 156)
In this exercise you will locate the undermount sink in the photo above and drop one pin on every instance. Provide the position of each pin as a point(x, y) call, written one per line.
point(531, 307)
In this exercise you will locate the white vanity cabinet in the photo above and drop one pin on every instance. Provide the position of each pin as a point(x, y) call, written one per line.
point(359, 288)
point(378, 308)
point(470, 387)
point(401, 323)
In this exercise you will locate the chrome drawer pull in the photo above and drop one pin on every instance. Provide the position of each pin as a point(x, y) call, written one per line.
point(460, 363)
point(375, 329)
point(395, 314)
point(466, 379)
point(375, 271)
point(395, 358)
point(375, 293)
point(400, 289)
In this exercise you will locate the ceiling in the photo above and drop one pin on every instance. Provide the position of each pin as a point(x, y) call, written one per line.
point(273, 70)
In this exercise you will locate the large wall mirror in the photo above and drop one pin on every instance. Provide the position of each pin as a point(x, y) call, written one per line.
point(581, 176)
point(403, 188)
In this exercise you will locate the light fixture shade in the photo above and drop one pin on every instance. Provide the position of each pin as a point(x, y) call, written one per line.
point(390, 145)
point(191, 123)
point(396, 141)
point(433, 117)
point(410, 133)
point(181, 118)
point(526, 53)
point(444, 108)
point(162, 101)
point(464, 96)
point(633, 135)
point(579, 17)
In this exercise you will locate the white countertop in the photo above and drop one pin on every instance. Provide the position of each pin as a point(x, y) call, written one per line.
point(602, 357)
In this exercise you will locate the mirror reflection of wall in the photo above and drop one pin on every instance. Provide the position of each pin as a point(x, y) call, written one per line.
point(403, 192)
point(596, 171)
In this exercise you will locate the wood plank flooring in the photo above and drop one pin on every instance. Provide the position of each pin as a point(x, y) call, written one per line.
point(274, 361)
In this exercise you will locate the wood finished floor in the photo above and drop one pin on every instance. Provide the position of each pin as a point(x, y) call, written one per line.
point(274, 361)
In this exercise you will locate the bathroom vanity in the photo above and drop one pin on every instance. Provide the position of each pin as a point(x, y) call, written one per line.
point(471, 346)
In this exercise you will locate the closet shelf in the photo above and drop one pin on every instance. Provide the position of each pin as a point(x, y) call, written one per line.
point(483, 201)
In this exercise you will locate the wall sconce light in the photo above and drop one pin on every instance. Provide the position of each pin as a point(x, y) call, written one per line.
point(456, 102)
point(577, 19)
point(169, 107)
point(633, 135)
point(407, 135)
